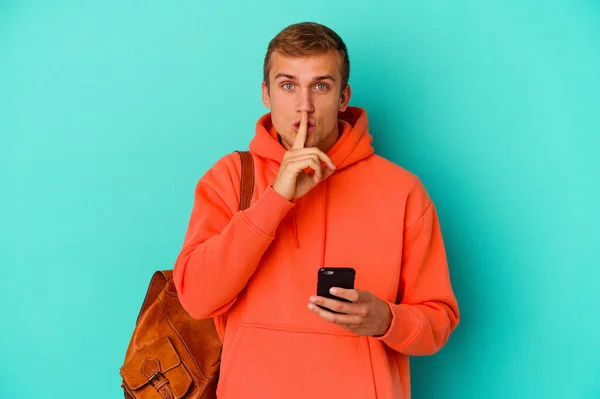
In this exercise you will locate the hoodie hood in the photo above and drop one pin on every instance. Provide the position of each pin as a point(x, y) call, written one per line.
point(353, 145)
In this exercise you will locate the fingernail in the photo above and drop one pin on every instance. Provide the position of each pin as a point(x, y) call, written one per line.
point(313, 299)
point(310, 306)
point(333, 291)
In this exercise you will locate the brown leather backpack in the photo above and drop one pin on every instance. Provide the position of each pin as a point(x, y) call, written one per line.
point(172, 355)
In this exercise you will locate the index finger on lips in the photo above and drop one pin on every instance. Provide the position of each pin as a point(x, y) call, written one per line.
point(302, 132)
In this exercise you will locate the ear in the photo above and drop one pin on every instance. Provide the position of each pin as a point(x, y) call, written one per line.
point(265, 95)
point(345, 98)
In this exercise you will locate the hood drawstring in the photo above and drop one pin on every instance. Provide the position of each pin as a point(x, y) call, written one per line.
point(323, 223)
point(295, 228)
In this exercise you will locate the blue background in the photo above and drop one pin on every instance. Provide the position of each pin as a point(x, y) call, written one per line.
point(110, 112)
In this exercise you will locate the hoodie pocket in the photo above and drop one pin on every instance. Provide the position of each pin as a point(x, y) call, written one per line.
point(270, 363)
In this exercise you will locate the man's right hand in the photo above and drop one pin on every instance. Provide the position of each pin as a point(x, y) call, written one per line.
point(292, 181)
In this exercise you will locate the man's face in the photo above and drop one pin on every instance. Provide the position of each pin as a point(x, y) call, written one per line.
point(311, 84)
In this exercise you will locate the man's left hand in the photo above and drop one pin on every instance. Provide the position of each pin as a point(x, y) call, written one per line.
point(366, 315)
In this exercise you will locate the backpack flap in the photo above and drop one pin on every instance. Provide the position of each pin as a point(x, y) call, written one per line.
point(154, 366)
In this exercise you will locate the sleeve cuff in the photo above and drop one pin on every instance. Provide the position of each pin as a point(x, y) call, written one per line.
point(267, 213)
point(405, 327)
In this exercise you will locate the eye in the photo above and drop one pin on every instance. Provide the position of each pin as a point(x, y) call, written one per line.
point(287, 86)
point(321, 86)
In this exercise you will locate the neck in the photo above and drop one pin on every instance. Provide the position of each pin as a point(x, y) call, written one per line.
point(326, 144)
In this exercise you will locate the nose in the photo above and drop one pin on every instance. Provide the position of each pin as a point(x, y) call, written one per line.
point(305, 101)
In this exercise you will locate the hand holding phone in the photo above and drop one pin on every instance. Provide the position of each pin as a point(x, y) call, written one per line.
point(328, 277)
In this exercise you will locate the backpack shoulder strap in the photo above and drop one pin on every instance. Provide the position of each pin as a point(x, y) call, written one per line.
point(157, 283)
point(247, 180)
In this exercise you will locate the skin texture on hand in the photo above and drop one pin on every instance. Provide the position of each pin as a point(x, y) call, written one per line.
point(366, 315)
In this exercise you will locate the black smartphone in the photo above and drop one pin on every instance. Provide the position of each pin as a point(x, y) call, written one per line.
point(328, 277)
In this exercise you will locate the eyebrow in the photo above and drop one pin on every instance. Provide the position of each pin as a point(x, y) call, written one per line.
point(292, 77)
point(325, 77)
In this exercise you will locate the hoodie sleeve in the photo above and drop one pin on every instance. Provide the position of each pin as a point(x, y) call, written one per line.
point(223, 246)
point(426, 310)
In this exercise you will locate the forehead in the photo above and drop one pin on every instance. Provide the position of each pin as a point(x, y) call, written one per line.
point(306, 67)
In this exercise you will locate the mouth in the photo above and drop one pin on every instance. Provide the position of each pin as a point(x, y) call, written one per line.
point(296, 125)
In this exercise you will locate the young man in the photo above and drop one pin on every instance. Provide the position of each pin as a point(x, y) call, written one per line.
point(321, 198)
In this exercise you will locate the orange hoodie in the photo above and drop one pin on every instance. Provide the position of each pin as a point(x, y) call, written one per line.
point(254, 271)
